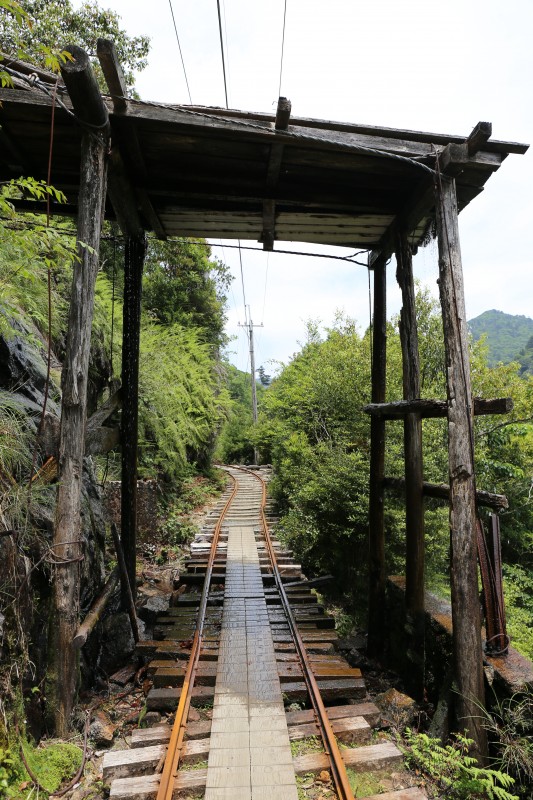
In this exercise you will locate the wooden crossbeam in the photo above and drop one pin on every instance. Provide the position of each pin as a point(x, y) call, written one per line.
point(435, 408)
point(441, 491)
point(114, 77)
point(126, 199)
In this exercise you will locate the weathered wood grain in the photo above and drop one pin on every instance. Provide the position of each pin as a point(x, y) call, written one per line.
point(436, 408)
point(468, 653)
point(67, 549)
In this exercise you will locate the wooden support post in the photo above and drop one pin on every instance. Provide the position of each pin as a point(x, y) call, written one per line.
point(67, 547)
point(413, 465)
point(283, 115)
point(135, 252)
point(376, 556)
point(468, 653)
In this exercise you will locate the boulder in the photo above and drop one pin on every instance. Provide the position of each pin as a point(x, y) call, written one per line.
point(398, 710)
point(152, 607)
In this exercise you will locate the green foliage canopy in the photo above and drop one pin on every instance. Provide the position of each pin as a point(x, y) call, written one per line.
point(182, 285)
point(38, 28)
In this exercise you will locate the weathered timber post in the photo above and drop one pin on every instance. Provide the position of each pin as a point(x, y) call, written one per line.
point(124, 200)
point(468, 653)
point(376, 555)
point(135, 252)
point(67, 550)
point(414, 501)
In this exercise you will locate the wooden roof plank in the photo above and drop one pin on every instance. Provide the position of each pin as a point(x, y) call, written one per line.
point(223, 173)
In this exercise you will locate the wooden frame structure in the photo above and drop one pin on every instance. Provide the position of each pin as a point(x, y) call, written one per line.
point(194, 171)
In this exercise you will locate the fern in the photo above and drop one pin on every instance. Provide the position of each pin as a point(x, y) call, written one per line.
point(454, 770)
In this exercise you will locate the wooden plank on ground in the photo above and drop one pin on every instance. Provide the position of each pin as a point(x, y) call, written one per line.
point(167, 699)
point(367, 710)
point(143, 760)
point(351, 731)
point(360, 759)
point(142, 737)
point(145, 787)
point(351, 688)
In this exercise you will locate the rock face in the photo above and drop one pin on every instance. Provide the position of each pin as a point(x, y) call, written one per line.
point(152, 607)
point(25, 560)
point(23, 369)
point(117, 642)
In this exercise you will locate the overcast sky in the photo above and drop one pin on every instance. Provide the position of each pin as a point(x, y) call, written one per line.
point(415, 64)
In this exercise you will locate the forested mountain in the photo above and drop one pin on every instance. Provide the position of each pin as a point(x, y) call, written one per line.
point(508, 335)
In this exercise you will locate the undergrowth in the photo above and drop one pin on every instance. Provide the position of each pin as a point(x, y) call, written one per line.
point(510, 729)
point(452, 770)
point(52, 764)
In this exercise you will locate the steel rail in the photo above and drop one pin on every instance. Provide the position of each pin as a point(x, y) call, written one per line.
point(338, 768)
point(175, 746)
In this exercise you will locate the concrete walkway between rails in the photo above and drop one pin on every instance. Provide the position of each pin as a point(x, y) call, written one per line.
point(250, 755)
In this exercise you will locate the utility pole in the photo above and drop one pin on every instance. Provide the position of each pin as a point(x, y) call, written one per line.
point(249, 325)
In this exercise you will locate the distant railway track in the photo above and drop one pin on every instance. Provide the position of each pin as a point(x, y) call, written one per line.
point(248, 636)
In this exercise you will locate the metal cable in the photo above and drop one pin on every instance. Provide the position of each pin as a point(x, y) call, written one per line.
point(222, 52)
point(265, 289)
point(293, 133)
point(242, 281)
point(282, 48)
point(181, 54)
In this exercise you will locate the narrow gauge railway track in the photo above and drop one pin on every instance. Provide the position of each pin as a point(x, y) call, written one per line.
point(246, 635)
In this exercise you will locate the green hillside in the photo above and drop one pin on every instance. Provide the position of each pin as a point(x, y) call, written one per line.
point(508, 335)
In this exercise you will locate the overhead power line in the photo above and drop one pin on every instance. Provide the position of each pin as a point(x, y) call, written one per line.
point(179, 47)
point(222, 52)
point(282, 47)
point(242, 281)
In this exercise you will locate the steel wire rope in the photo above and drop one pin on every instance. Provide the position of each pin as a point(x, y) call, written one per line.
point(351, 259)
point(223, 57)
point(242, 284)
point(181, 53)
point(227, 46)
point(222, 53)
point(289, 134)
point(265, 289)
point(282, 47)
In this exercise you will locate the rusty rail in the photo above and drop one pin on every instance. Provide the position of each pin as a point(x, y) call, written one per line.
point(175, 746)
point(338, 768)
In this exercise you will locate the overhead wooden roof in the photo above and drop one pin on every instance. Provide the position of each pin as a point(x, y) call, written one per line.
point(231, 174)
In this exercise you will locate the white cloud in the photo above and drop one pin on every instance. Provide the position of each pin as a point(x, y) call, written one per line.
point(418, 64)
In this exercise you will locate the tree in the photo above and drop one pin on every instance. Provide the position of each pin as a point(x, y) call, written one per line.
point(182, 285)
point(55, 23)
point(265, 379)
